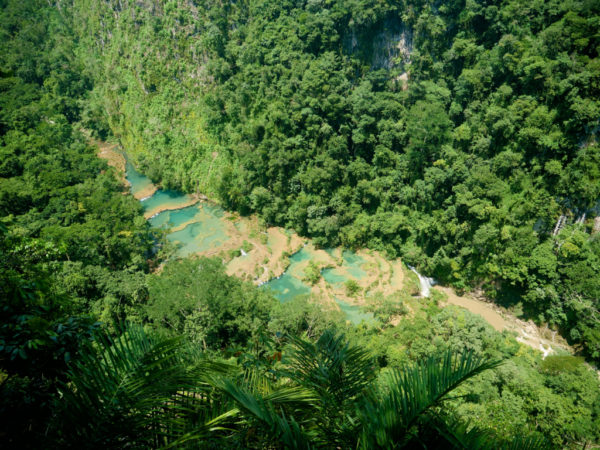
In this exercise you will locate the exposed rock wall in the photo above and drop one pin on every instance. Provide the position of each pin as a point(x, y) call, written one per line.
point(385, 46)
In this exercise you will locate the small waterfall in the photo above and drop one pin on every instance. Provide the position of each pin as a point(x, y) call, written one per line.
point(242, 252)
point(562, 220)
point(546, 351)
point(424, 282)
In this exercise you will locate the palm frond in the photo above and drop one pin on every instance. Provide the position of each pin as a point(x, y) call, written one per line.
point(451, 432)
point(137, 389)
point(141, 391)
point(339, 374)
point(269, 413)
point(527, 443)
point(412, 392)
point(331, 367)
point(445, 431)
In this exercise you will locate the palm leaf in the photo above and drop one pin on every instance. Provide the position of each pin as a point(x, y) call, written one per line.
point(451, 432)
point(338, 373)
point(527, 443)
point(269, 412)
point(139, 390)
point(410, 394)
point(331, 367)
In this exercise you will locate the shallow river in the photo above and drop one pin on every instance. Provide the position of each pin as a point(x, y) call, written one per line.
point(202, 229)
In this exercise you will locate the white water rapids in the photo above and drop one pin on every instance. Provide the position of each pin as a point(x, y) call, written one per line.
point(424, 282)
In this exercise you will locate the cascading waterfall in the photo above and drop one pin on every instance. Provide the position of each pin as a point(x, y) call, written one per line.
point(425, 283)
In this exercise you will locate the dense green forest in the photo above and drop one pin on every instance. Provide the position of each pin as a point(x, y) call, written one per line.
point(453, 134)
point(461, 136)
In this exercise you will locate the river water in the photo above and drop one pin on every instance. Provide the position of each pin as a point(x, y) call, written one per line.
point(201, 228)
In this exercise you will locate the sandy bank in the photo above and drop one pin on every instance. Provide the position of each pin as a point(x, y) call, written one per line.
point(113, 157)
point(146, 192)
point(166, 207)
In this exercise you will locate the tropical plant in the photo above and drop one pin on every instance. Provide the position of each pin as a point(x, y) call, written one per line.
point(340, 405)
point(405, 410)
point(138, 390)
point(142, 391)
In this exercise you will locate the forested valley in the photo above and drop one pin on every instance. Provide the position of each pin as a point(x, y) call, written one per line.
point(459, 136)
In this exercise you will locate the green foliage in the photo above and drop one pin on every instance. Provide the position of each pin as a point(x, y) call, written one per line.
point(386, 308)
point(53, 186)
point(296, 112)
point(247, 246)
point(337, 403)
point(526, 393)
point(37, 339)
point(76, 248)
point(195, 297)
point(301, 316)
point(352, 288)
point(409, 394)
point(139, 390)
point(555, 364)
point(149, 392)
point(312, 273)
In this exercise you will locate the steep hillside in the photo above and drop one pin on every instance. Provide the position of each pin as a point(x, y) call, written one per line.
point(460, 136)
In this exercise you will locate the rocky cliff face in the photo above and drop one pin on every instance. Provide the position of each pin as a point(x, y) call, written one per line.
point(385, 46)
point(391, 47)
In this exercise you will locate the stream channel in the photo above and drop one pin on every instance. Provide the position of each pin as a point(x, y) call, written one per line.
point(202, 228)
point(277, 259)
